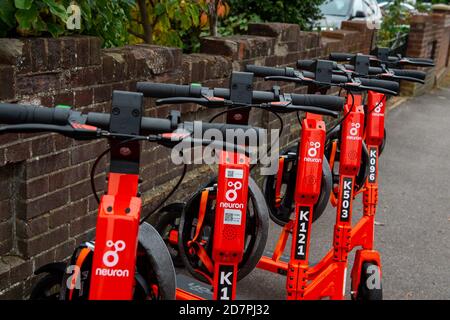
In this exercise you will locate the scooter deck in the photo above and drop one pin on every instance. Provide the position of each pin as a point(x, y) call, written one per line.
point(197, 288)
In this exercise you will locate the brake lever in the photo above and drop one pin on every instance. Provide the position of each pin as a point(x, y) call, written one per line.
point(290, 79)
point(410, 79)
point(80, 132)
point(415, 63)
point(287, 107)
point(379, 90)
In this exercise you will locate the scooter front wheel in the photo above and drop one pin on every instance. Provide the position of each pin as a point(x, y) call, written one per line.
point(47, 288)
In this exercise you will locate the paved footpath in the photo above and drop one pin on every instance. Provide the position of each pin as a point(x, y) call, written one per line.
point(414, 208)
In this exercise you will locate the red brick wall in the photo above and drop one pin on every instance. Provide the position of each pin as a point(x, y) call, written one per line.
point(429, 38)
point(46, 206)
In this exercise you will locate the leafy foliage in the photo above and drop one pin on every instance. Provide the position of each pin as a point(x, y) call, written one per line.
point(168, 22)
point(237, 24)
point(302, 12)
point(395, 23)
point(105, 18)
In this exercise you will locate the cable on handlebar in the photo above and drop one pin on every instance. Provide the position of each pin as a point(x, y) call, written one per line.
point(177, 185)
point(96, 162)
point(346, 115)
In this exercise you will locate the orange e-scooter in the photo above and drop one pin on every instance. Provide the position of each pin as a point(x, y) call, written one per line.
point(327, 278)
point(196, 225)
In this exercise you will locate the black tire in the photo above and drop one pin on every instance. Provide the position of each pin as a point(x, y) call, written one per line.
point(257, 225)
point(282, 215)
point(47, 288)
point(383, 144)
point(154, 269)
point(165, 221)
point(366, 291)
point(156, 266)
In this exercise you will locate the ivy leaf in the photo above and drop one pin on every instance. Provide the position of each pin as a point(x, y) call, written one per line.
point(55, 29)
point(57, 9)
point(39, 25)
point(27, 17)
point(159, 9)
point(3, 29)
point(23, 4)
point(7, 13)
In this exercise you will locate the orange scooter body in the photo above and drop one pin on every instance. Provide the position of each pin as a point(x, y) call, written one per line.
point(229, 226)
point(116, 240)
point(327, 278)
point(363, 232)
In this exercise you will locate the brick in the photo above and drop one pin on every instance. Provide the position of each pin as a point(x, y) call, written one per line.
point(44, 258)
point(11, 51)
point(107, 69)
point(82, 50)
point(6, 246)
point(8, 138)
point(42, 146)
point(63, 215)
point(85, 236)
point(68, 55)
point(83, 189)
point(5, 209)
point(65, 250)
point(44, 165)
point(54, 54)
point(38, 54)
point(102, 93)
point(33, 227)
point(15, 292)
point(5, 230)
point(42, 243)
point(67, 177)
point(159, 59)
point(65, 98)
point(7, 80)
point(20, 269)
point(131, 65)
point(82, 224)
point(87, 152)
point(36, 187)
point(283, 31)
point(18, 152)
point(4, 275)
point(43, 82)
point(95, 45)
point(84, 97)
point(87, 76)
point(36, 207)
point(24, 85)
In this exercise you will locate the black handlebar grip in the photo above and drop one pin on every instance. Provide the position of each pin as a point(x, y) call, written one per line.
point(307, 64)
point(16, 113)
point(148, 125)
point(418, 60)
point(338, 56)
point(382, 84)
point(167, 90)
point(332, 103)
point(258, 96)
point(421, 75)
point(304, 64)
point(336, 79)
point(260, 71)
